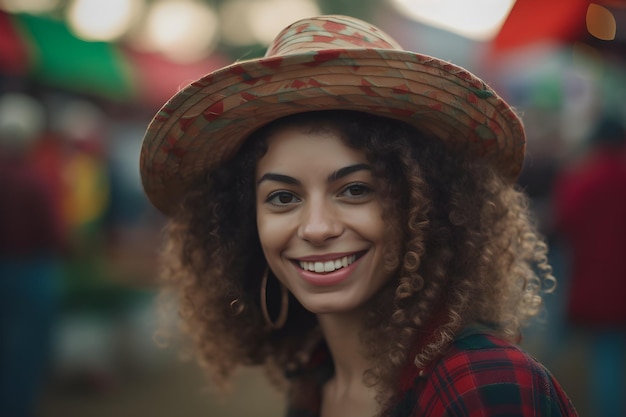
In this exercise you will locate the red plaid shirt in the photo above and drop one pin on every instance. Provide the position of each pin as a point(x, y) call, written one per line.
point(479, 376)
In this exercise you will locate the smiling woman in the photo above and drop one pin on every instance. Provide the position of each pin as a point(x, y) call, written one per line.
point(344, 213)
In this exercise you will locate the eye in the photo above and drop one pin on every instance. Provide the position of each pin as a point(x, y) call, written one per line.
point(356, 190)
point(282, 198)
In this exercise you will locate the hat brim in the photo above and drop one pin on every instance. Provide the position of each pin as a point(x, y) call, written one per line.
point(205, 124)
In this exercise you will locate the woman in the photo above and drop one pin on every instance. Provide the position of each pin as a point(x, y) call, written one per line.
point(343, 212)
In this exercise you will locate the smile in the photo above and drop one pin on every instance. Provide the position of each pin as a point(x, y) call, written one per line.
point(327, 266)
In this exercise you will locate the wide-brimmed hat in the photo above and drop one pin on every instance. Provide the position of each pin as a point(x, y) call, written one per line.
point(324, 63)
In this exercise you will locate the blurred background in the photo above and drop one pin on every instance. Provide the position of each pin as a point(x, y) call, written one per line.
point(81, 79)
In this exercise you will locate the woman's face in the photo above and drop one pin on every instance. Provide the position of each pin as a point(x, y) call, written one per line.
point(320, 221)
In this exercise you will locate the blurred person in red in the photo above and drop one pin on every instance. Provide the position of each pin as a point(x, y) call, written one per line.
point(590, 204)
point(30, 245)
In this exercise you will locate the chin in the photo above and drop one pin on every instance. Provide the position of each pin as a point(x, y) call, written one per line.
point(328, 304)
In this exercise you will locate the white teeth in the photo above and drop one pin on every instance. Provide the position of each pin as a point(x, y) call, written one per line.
point(328, 266)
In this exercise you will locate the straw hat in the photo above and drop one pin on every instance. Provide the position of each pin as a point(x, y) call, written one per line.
point(322, 63)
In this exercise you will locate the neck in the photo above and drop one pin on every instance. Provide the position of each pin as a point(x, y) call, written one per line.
point(341, 332)
point(345, 394)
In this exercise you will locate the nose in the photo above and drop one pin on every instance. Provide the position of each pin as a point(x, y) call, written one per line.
point(319, 222)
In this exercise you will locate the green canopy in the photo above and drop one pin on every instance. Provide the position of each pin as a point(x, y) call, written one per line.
point(60, 59)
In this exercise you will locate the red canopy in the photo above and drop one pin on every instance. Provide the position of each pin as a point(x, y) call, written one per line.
point(533, 21)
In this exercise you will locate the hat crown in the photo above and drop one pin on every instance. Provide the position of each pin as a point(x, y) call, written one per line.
point(327, 33)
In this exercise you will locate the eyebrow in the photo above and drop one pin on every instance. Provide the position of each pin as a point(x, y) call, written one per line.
point(344, 172)
point(334, 176)
point(286, 179)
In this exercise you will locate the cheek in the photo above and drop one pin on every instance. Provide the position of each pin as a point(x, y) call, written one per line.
point(272, 232)
point(369, 222)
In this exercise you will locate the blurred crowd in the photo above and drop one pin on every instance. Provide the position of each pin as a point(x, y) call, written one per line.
point(74, 252)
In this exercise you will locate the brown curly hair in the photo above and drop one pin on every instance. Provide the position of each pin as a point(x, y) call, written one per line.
point(468, 252)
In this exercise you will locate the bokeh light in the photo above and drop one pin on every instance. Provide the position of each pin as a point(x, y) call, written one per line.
point(601, 22)
point(184, 30)
point(102, 21)
point(477, 19)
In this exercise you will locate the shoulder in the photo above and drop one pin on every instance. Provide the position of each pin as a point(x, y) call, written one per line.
point(483, 375)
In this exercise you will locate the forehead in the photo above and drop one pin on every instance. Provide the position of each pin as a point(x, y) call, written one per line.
point(290, 148)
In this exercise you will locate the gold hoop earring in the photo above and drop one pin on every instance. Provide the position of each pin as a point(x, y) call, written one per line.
point(284, 304)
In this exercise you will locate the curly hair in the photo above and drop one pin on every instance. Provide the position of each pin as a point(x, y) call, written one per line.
point(467, 252)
